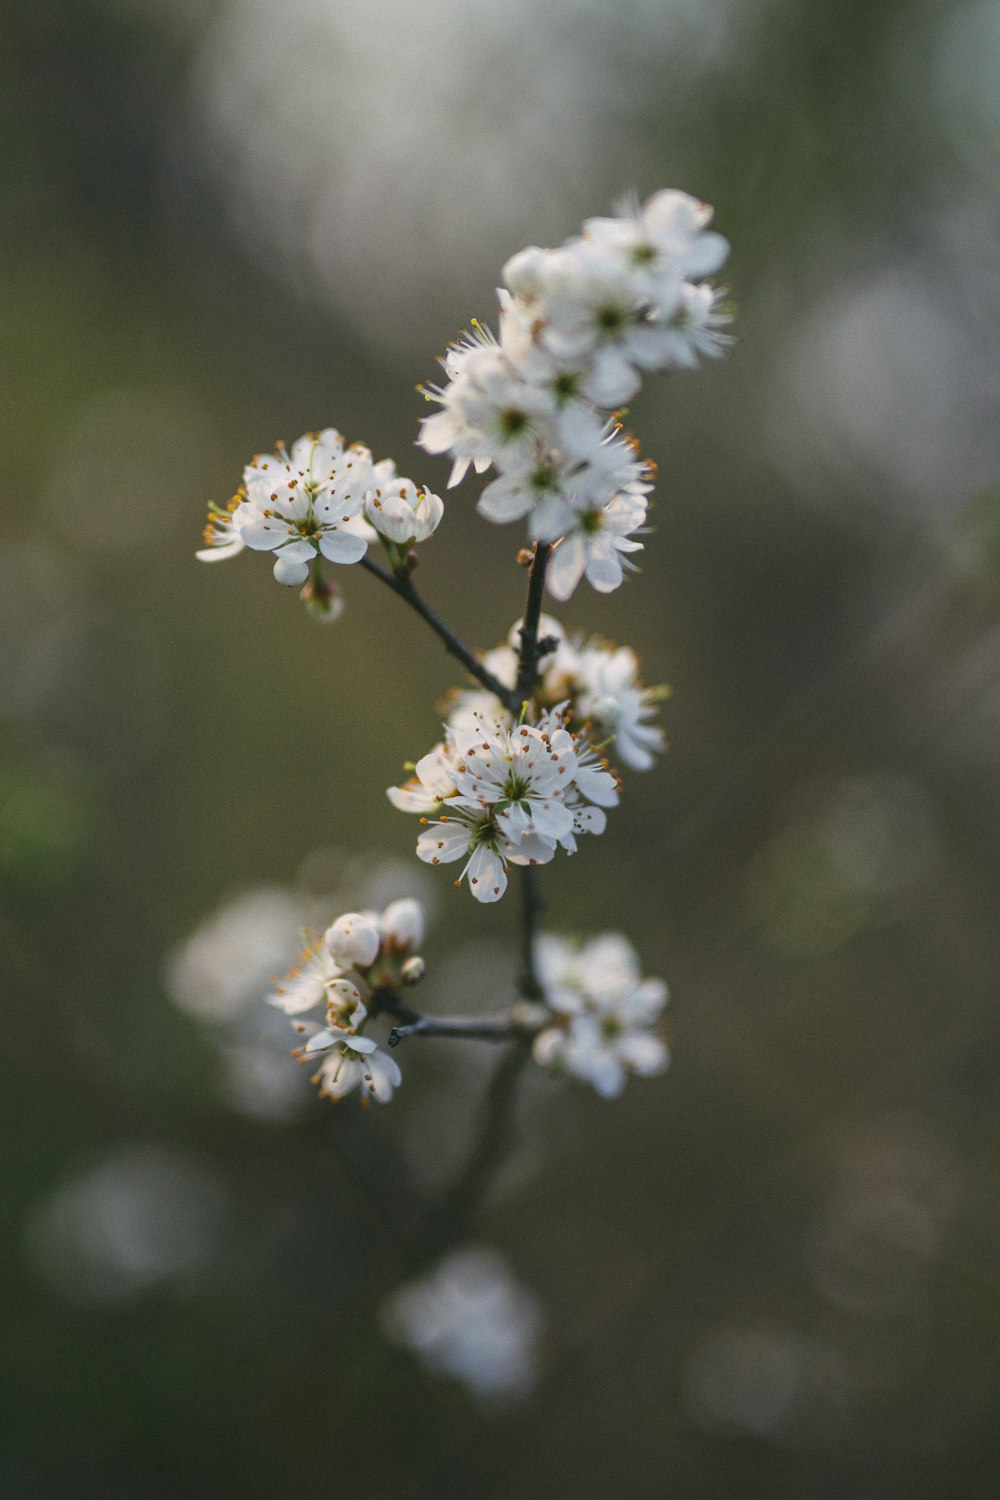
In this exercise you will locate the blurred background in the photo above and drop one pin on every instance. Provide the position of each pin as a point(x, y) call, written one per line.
point(774, 1272)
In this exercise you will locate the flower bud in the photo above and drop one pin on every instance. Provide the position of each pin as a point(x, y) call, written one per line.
point(323, 600)
point(354, 940)
point(413, 970)
point(403, 924)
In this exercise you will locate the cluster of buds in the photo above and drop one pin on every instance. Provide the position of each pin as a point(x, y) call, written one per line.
point(361, 956)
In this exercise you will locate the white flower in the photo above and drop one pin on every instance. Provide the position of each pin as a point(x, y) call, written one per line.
point(662, 243)
point(355, 1061)
point(402, 925)
point(587, 464)
point(305, 502)
point(374, 946)
point(430, 784)
point(604, 1013)
point(220, 536)
point(588, 306)
point(540, 476)
point(307, 984)
point(362, 955)
point(505, 794)
point(598, 681)
point(695, 327)
point(402, 513)
point(470, 1319)
point(608, 692)
point(488, 409)
point(354, 940)
point(593, 547)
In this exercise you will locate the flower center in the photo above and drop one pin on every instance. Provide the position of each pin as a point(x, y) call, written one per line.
point(610, 319)
point(512, 422)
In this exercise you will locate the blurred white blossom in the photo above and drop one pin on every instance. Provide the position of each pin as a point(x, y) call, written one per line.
point(470, 1319)
point(604, 1012)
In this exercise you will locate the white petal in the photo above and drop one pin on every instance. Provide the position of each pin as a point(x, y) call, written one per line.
point(290, 572)
point(565, 568)
point(353, 940)
point(403, 923)
point(342, 546)
point(441, 843)
point(643, 1053)
point(221, 550)
point(412, 798)
point(487, 876)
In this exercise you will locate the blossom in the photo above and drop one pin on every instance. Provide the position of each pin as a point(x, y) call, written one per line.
point(663, 242)
point(587, 305)
point(487, 409)
point(353, 939)
point(695, 327)
point(319, 500)
point(402, 513)
point(505, 794)
point(603, 1012)
point(221, 538)
point(608, 692)
point(470, 1319)
point(579, 325)
point(352, 1062)
point(597, 680)
point(296, 504)
point(361, 955)
point(595, 546)
point(306, 986)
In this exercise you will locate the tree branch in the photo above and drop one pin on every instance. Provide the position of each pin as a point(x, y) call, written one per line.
point(477, 1028)
point(402, 584)
point(527, 670)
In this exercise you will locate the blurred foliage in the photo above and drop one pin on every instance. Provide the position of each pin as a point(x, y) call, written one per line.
point(774, 1272)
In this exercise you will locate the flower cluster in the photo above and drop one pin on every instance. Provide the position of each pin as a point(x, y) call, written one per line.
point(320, 500)
point(578, 326)
point(599, 682)
point(603, 1012)
point(506, 794)
point(359, 956)
point(520, 771)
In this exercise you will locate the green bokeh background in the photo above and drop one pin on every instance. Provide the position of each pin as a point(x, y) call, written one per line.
point(774, 1272)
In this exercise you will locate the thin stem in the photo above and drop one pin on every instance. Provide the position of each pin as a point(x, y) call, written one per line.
point(462, 1200)
point(527, 670)
point(527, 681)
point(531, 913)
point(401, 583)
point(483, 1029)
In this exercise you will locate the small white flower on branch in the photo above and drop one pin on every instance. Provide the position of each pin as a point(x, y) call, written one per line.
point(604, 1013)
point(362, 958)
point(505, 794)
point(320, 500)
point(306, 986)
point(598, 680)
point(354, 1062)
point(471, 1320)
point(402, 513)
